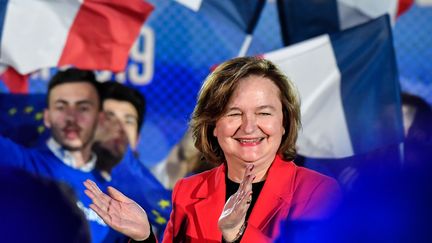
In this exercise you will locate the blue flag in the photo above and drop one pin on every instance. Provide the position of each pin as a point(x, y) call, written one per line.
point(21, 118)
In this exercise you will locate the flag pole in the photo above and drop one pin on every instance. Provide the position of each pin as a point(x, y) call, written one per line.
point(245, 46)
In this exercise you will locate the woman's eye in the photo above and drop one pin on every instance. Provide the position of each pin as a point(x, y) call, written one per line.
point(265, 114)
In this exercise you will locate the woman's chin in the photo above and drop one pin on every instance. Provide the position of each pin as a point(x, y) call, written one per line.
point(250, 159)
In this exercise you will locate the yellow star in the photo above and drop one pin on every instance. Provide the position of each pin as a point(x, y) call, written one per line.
point(38, 116)
point(159, 218)
point(28, 109)
point(41, 129)
point(164, 203)
point(12, 111)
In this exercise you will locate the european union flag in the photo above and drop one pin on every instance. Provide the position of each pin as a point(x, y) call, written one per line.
point(21, 118)
point(133, 179)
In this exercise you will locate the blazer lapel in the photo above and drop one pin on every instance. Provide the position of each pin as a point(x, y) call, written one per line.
point(275, 196)
point(212, 200)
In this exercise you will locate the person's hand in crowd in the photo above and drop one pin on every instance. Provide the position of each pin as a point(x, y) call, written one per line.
point(234, 212)
point(118, 211)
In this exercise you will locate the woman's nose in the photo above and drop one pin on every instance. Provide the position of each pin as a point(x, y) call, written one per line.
point(249, 123)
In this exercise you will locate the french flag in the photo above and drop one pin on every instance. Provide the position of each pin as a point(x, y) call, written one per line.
point(89, 34)
point(349, 90)
point(304, 19)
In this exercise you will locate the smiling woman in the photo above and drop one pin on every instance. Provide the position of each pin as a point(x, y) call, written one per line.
point(251, 128)
point(246, 120)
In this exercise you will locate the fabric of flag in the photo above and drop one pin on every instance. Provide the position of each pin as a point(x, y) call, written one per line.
point(424, 3)
point(21, 118)
point(304, 19)
point(194, 5)
point(89, 34)
point(349, 90)
point(15, 82)
point(244, 14)
point(136, 181)
point(241, 16)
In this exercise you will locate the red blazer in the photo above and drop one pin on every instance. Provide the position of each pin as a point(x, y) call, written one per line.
point(290, 192)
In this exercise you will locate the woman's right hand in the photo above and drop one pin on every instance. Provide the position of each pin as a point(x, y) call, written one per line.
point(118, 211)
point(234, 212)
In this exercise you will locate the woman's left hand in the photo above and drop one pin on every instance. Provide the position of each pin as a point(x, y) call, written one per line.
point(235, 209)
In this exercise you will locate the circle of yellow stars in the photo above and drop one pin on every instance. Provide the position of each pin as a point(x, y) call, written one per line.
point(38, 115)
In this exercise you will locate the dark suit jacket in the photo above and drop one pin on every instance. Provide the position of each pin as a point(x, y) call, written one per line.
point(290, 192)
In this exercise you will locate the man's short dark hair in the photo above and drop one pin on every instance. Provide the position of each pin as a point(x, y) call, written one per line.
point(74, 75)
point(116, 91)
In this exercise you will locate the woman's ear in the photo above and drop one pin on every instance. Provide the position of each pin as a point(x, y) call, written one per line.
point(214, 132)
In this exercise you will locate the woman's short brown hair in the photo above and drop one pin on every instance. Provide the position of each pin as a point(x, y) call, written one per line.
point(216, 92)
